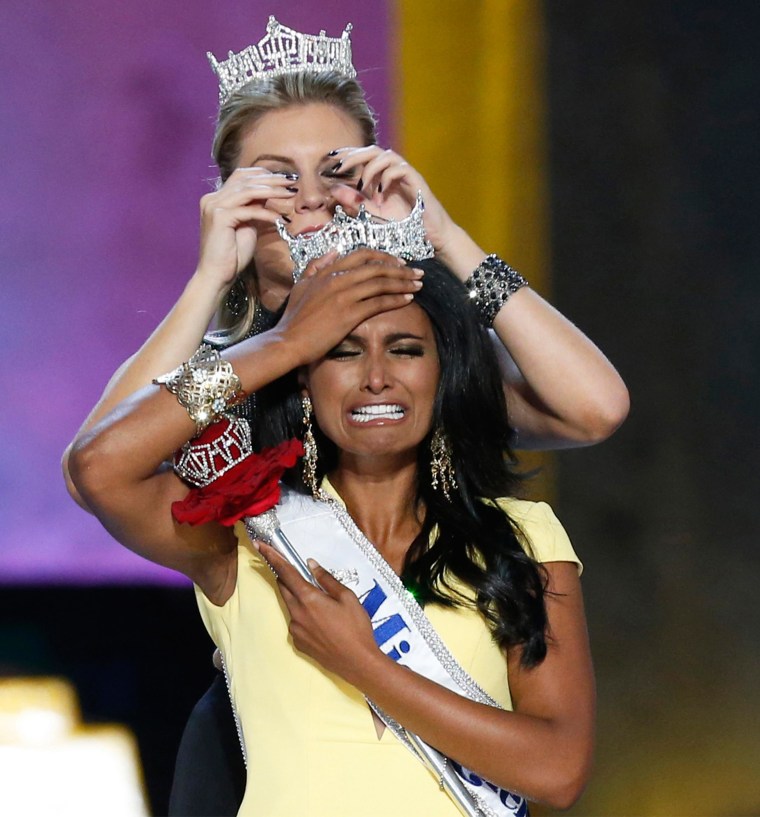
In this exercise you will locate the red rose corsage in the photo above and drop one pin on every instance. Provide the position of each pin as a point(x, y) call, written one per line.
point(249, 488)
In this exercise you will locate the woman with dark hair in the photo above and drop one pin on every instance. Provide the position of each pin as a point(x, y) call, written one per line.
point(409, 429)
point(293, 146)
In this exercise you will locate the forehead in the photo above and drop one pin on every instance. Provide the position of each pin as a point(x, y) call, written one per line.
point(316, 127)
point(410, 319)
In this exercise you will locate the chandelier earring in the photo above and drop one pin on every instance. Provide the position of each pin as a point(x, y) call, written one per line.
point(441, 465)
point(310, 449)
point(237, 299)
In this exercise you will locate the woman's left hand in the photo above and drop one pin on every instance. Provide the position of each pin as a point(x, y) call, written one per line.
point(331, 626)
point(387, 185)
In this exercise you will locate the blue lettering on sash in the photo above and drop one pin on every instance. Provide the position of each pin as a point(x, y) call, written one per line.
point(385, 629)
point(372, 599)
point(518, 805)
point(388, 628)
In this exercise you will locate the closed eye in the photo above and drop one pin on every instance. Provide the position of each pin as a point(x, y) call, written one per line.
point(408, 351)
point(341, 352)
point(274, 164)
point(348, 175)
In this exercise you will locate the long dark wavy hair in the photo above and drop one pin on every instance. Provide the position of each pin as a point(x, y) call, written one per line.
point(477, 543)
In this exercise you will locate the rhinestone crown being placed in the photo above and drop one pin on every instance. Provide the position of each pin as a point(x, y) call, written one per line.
point(404, 239)
point(283, 51)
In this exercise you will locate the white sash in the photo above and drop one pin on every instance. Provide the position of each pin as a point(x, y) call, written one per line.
point(324, 531)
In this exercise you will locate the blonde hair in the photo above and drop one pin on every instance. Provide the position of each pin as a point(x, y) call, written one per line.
point(236, 117)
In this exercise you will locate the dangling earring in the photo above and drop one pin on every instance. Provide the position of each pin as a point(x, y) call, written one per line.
point(441, 466)
point(237, 298)
point(310, 449)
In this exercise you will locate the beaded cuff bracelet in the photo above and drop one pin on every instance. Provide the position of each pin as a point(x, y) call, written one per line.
point(205, 386)
point(491, 285)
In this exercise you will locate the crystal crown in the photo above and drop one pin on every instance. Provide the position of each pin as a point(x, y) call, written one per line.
point(283, 51)
point(221, 448)
point(404, 239)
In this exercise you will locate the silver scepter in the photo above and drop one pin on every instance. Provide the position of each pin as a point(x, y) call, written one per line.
point(266, 526)
point(436, 762)
point(448, 778)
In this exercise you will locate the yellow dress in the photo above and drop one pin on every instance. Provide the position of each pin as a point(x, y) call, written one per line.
point(311, 742)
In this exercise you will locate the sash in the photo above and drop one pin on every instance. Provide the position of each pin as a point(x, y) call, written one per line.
point(324, 531)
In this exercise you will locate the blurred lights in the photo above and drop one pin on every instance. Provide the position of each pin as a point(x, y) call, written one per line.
point(51, 764)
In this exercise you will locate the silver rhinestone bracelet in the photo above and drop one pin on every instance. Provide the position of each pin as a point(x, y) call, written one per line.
point(491, 286)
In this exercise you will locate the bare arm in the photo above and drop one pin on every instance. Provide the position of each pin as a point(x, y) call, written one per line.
point(562, 391)
point(228, 239)
point(117, 465)
point(175, 339)
point(542, 750)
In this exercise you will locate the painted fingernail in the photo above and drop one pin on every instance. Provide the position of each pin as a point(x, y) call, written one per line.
point(360, 184)
point(379, 188)
point(333, 152)
point(285, 218)
point(292, 176)
point(292, 189)
point(337, 166)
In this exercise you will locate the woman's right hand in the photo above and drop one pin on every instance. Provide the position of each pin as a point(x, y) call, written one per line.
point(335, 295)
point(229, 219)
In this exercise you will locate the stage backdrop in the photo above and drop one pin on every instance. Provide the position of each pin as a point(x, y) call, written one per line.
point(107, 121)
point(652, 113)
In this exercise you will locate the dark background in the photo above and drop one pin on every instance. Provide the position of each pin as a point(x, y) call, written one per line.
point(655, 178)
point(654, 174)
point(135, 655)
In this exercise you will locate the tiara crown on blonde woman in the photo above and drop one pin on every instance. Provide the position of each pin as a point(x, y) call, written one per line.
point(283, 51)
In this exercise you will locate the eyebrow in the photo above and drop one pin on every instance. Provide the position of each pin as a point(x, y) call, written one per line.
point(273, 157)
point(388, 339)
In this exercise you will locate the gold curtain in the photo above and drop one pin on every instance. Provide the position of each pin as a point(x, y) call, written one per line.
point(470, 115)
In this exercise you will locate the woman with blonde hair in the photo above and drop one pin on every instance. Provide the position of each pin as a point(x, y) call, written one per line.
point(293, 146)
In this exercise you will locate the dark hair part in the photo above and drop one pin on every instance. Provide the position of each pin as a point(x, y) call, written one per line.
point(477, 543)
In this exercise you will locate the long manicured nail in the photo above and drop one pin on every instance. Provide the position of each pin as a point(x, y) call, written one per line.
point(286, 219)
point(360, 184)
point(292, 189)
point(337, 166)
point(334, 152)
point(379, 188)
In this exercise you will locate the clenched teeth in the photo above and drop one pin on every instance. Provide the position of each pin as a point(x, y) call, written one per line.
point(386, 412)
